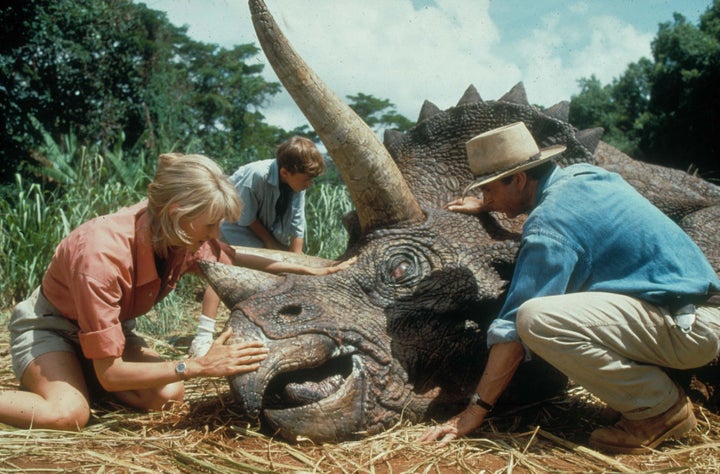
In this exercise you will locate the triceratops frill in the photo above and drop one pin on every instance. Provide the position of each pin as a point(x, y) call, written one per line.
point(401, 333)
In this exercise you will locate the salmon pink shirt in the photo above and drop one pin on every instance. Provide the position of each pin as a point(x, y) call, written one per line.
point(105, 272)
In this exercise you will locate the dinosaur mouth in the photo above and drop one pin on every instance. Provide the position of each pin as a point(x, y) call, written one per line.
point(309, 388)
point(327, 410)
point(309, 385)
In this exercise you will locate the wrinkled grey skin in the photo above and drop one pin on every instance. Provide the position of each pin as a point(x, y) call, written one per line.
point(401, 333)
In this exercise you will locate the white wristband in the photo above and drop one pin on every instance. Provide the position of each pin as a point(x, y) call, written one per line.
point(206, 324)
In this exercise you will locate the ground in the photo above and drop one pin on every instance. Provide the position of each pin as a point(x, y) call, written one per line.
point(207, 434)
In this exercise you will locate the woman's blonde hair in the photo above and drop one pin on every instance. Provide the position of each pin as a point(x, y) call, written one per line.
point(184, 188)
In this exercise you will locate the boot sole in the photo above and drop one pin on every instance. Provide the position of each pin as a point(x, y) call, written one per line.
point(679, 430)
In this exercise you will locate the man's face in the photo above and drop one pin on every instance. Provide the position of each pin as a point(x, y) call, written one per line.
point(505, 197)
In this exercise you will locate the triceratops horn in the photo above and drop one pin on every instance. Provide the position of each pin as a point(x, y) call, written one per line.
point(378, 190)
point(234, 284)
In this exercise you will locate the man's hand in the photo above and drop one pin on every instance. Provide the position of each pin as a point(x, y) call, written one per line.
point(502, 363)
point(459, 425)
point(466, 205)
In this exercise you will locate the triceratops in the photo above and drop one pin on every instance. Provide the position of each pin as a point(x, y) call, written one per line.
point(401, 333)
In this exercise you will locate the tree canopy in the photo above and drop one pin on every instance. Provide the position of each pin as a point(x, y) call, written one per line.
point(665, 110)
point(118, 74)
point(116, 70)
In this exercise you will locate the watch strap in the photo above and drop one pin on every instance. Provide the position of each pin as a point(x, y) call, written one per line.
point(480, 402)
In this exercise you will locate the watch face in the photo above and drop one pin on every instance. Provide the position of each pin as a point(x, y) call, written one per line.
point(180, 368)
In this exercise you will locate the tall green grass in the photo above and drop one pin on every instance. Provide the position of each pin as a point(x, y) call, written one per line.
point(326, 204)
point(74, 184)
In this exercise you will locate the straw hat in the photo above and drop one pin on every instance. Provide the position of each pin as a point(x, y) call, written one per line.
point(505, 151)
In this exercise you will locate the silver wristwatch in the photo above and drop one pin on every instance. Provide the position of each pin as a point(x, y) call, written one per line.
point(180, 369)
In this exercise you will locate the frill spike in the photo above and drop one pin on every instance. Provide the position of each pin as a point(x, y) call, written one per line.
point(392, 139)
point(560, 111)
point(590, 137)
point(428, 110)
point(516, 95)
point(471, 96)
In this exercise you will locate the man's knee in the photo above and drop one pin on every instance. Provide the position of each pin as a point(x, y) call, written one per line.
point(530, 319)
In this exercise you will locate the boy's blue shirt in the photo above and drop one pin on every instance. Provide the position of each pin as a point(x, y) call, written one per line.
point(591, 231)
point(258, 186)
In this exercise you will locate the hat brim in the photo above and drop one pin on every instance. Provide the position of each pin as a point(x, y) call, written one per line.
point(545, 155)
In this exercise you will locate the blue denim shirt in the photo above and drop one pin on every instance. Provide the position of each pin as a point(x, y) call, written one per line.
point(258, 186)
point(591, 231)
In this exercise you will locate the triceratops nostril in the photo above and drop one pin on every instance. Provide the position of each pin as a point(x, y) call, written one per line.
point(291, 310)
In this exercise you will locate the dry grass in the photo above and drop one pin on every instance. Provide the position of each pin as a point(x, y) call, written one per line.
point(206, 434)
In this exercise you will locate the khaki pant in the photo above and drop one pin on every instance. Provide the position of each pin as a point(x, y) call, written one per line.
point(615, 345)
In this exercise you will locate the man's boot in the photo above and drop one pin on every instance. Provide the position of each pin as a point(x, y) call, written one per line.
point(637, 436)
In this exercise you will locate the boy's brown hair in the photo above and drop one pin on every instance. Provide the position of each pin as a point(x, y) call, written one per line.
point(299, 155)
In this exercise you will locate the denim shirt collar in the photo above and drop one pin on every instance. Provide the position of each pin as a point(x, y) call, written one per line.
point(546, 180)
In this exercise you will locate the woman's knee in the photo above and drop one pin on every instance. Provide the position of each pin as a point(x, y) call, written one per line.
point(63, 417)
point(169, 394)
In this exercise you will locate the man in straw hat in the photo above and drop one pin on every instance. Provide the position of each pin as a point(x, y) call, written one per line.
point(606, 288)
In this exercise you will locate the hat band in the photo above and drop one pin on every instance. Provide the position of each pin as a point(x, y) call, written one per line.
point(534, 157)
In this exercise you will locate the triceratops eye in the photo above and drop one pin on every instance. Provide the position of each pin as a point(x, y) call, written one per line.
point(399, 272)
point(400, 269)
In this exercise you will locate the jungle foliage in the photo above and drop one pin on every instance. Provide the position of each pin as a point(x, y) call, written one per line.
point(664, 110)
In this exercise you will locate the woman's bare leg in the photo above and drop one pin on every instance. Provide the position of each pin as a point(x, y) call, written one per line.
point(151, 398)
point(56, 395)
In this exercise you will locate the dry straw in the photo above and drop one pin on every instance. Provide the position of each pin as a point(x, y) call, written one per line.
point(206, 434)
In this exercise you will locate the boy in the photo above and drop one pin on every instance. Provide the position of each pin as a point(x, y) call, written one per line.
point(273, 197)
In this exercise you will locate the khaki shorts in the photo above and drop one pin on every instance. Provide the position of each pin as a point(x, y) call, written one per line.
point(37, 328)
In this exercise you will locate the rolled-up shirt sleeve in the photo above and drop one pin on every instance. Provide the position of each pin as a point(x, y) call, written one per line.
point(98, 310)
point(545, 266)
point(297, 222)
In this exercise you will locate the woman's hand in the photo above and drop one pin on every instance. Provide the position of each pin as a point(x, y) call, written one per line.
point(339, 266)
point(223, 360)
point(336, 267)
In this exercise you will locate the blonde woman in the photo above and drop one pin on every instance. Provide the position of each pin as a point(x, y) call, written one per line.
point(74, 334)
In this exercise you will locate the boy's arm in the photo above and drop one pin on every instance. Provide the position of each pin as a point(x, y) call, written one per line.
point(296, 244)
point(265, 236)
